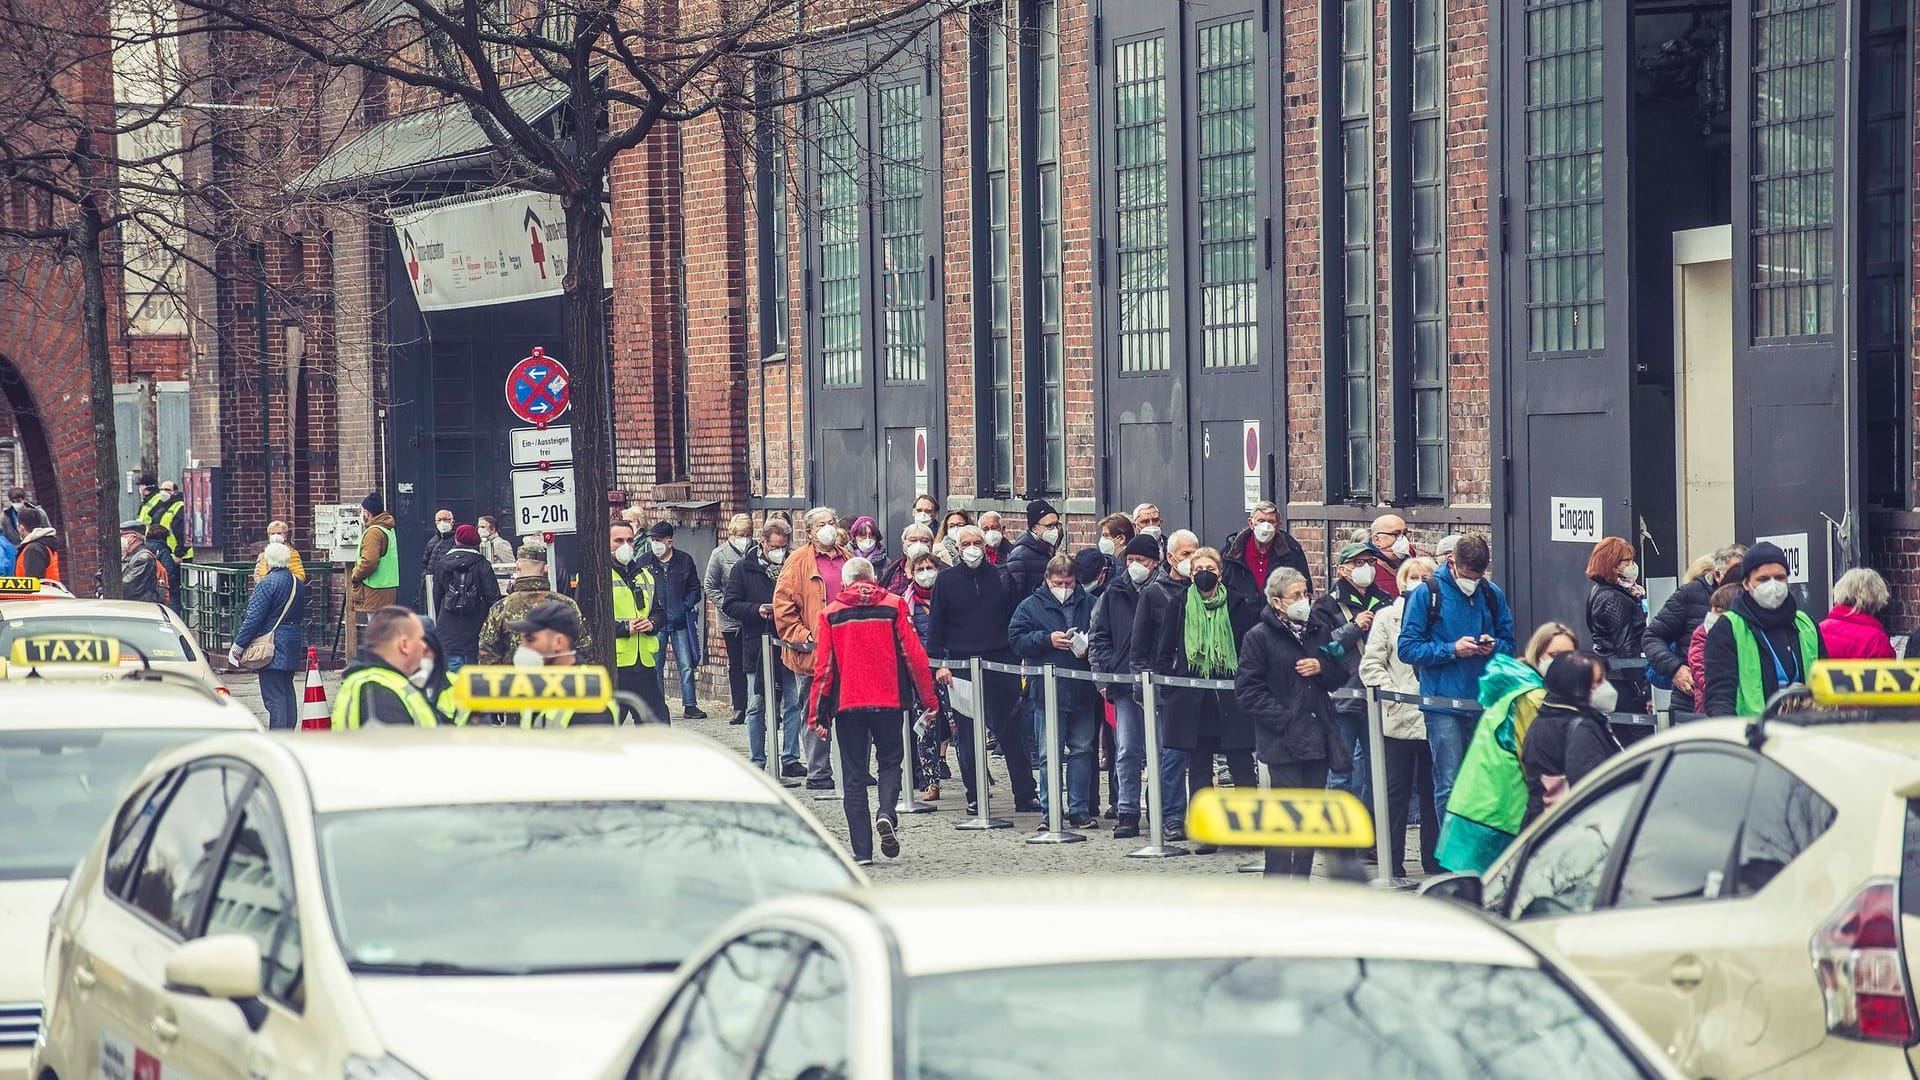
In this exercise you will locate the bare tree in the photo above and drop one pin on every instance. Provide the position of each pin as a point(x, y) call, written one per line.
point(626, 70)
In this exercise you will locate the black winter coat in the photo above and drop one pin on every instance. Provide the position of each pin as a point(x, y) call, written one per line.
point(1248, 592)
point(1615, 621)
point(1026, 565)
point(1292, 716)
point(1723, 659)
point(1188, 714)
point(1671, 631)
point(746, 589)
point(1563, 741)
point(971, 609)
point(1110, 642)
point(460, 631)
point(678, 594)
point(1332, 621)
point(437, 546)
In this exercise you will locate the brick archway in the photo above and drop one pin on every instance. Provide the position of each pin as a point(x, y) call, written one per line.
point(44, 379)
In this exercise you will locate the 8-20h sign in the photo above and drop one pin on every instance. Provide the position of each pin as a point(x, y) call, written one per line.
point(543, 500)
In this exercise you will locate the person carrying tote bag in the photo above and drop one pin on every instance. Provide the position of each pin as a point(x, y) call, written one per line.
point(270, 639)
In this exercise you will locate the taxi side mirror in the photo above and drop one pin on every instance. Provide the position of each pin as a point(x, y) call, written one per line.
point(1459, 888)
point(224, 966)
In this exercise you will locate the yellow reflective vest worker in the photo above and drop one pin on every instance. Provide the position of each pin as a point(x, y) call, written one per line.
point(633, 598)
point(151, 506)
point(373, 693)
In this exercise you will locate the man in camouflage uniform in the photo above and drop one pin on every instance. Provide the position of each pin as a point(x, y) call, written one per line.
point(530, 586)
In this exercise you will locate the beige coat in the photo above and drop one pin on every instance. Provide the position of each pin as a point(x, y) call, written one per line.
point(1381, 666)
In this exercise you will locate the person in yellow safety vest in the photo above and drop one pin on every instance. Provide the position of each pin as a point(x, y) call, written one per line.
point(636, 647)
point(547, 633)
point(152, 497)
point(1763, 643)
point(379, 688)
point(375, 578)
point(162, 505)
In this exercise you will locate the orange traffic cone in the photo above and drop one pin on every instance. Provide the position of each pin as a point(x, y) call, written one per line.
point(314, 714)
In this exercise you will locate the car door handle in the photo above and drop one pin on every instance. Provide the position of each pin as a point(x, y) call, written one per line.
point(1686, 973)
point(165, 1029)
point(83, 977)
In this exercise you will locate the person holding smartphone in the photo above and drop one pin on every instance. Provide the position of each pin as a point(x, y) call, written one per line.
point(1050, 627)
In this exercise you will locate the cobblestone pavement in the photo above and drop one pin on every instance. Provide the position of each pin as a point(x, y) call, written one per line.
point(930, 845)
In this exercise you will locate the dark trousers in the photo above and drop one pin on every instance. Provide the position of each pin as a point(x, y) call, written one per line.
point(276, 693)
point(736, 673)
point(1008, 725)
point(1410, 776)
point(861, 733)
point(644, 682)
point(1294, 862)
point(1200, 765)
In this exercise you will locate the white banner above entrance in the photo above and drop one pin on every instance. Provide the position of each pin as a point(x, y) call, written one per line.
point(488, 251)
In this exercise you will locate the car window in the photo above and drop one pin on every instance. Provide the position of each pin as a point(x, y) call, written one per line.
point(173, 874)
point(1684, 845)
point(155, 637)
point(254, 896)
point(809, 1037)
point(131, 828)
point(736, 986)
point(1784, 816)
point(1563, 871)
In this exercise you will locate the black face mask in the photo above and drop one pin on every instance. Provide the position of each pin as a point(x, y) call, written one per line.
point(1206, 580)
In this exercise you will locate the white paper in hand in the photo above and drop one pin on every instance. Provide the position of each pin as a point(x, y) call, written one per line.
point(1080, 641)
point(960, 696)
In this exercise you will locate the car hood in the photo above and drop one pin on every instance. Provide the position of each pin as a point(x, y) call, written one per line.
point(557, 1027)
point(26, 907)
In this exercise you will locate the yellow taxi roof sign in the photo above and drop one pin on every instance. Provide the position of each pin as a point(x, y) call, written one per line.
point(19, 586)
point(1865, 682)
point(511, 689)
point(1279, 817)
point(50, 650)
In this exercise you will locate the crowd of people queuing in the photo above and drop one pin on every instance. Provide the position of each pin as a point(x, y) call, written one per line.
point(871, 632)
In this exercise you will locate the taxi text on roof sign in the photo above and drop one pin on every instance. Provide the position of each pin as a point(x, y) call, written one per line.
point(509, 689)
point(50, 649)
point(1865, 682)
point(1280, 817)
point(21, 586)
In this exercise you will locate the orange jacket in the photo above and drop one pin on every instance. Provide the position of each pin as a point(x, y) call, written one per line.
point(798, 599)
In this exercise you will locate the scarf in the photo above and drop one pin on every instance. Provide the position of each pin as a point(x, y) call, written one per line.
point(1633, 588)
point(1209, 635)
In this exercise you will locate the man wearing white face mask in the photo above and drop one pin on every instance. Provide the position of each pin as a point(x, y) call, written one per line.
point(725, 557)
point(1109, 644)
point(1344, 614)
point(1254, 553)
point(1050, 627)
point(915, 540)
point(678, 604)
point(1762, 643)
point(1451, 624)
point(970, 607)
point(636, 633)
point(531, 586)
point(1389, 545)
point(748, 600)
point(1026, 564)
point(998, 546)
point(439, 542)
point(810, 575)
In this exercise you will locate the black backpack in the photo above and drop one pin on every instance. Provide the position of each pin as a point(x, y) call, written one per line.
point(463, 589)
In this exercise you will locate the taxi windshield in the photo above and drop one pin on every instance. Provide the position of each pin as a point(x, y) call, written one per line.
point(156, 637)
point(58, 787)
point(531, 888)
point(1284, 1018)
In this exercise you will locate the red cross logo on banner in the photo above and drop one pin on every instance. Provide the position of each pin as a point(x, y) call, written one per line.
point(537, 388)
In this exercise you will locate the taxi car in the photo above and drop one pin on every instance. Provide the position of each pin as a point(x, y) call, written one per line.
point(405, 903)
point(20, 590)
point(1125, 978)
point(1748, 891)
point(148, 633)
point(68, 753)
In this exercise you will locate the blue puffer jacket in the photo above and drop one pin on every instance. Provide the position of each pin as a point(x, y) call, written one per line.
point(1030, 633)
point(263, 607)
point(1427, 635)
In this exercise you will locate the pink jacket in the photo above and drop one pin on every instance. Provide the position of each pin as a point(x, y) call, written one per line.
point(1697, 661)
point(1854, 635)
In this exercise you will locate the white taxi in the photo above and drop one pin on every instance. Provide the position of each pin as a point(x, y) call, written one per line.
point(68, 753)
point(1748, 891)
point(1125, 978)
point(409, 903)
point(149, 635)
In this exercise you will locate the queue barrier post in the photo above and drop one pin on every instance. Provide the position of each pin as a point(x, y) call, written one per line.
point(1382, 810)
point(1258, 864)
point(1157, 848)
point(985, 819)
point(1050, 755)
point(909, 802)
point(769, 712)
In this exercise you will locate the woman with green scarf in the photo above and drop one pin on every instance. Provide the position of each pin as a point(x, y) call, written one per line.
point(1489, 800)
point(1199, 638)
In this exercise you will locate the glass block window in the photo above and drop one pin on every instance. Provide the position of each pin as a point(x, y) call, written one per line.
point(994, 351)
point(1885, 249)
point(1792, 168)
point(1356, 254)
point(1046, 157)
point(1140, 183)
point(903, 255)
point(840, 212)
point(1426, 218)
point(1566, 263)
point(1229, 216)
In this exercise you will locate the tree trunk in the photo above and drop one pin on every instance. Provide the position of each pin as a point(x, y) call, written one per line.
point(584, 352)
point(106, 463)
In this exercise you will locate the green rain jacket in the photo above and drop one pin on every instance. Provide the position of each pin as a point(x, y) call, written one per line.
point(1489, 798)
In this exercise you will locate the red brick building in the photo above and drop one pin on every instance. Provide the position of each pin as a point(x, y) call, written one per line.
point(1548, 268)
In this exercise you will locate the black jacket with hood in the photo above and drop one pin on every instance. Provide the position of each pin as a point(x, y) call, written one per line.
point(1332, 620)
point(1292, 715)
point(1026, 564)
point(1723, 659)
point(749, 586)
point(460, 630)
point(1670, 631)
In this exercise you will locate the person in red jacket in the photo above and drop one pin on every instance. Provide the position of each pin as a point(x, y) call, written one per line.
point(867, 664)
point(1853, 630)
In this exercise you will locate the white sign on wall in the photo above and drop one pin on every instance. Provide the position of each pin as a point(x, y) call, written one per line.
point(488, 251)
point(336, 530)
point(531, 446)
point(543, 501)
point(1575, 520)
point(1795, 545)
